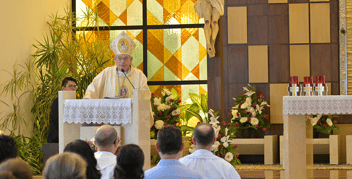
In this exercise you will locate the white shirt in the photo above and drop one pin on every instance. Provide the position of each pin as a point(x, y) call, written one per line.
point(210, 165)
point(106, 164)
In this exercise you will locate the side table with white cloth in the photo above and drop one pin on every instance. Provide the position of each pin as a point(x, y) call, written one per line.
point(298, 132)
point(132, 114)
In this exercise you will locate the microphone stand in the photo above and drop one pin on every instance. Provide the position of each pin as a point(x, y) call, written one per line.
point(123, 71)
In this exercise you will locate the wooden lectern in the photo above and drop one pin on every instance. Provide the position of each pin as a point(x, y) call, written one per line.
point(137, 132)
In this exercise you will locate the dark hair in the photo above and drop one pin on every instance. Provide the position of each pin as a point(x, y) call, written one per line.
point(169, 140)
point(8, 148)
point(105, 136)
point(83, 149)
point(204, 137)
point(129, 163)
point(15, 168)
point(66, 80)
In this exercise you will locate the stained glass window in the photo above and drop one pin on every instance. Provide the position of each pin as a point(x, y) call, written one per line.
point(176, 54)
point(172, 12)
point(170, 57)
point(111, 12)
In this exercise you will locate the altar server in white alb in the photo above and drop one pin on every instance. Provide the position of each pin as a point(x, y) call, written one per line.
point(112, 81)
point(203, 160)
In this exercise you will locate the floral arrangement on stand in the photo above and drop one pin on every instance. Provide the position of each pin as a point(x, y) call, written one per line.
point(165, 110)
point(224, 146)
point(323, 123)
point(248, 112)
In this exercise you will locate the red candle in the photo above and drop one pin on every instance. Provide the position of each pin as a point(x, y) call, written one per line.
point(322, 80)
point(308, 80)
point(294, 80)
point(317, 80)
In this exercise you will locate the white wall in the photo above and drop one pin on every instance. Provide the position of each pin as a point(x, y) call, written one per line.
point(22, 22)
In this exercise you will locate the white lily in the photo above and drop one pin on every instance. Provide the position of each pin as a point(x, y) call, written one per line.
point(259, 109)
point(249, 93)
point(245, 89)
point(264, 103)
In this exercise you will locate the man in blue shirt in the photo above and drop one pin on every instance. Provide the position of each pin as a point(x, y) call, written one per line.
point(169, 146)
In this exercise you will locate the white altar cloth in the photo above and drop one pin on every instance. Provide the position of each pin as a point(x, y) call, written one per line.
point(113, 111)
point(317, 105)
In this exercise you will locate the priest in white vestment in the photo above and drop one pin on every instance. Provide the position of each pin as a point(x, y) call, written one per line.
point(116, 81)
point(203, 160)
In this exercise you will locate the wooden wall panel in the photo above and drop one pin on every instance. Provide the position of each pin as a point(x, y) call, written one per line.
point(257, 10)
point(237, 64)
point(258, 71)
point(321, 63)
point(335, 51)
point(334, 22)
point(278, 9)
point(237, 25)
point(299, 23)
point(257, 30)
point(279, 64)
point(278, 29)
point(320, 22)
point(299, 61)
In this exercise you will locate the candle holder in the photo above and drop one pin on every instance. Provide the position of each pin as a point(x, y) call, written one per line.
point(307, 89)
point(294, 88)
point(320, 88)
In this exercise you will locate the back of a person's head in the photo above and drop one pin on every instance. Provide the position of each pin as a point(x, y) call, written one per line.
point(8, 148)
point(83, 149)
point(129, 162)
point(169, 140)
point(204, 134)
point(15, 168)
point(66, 165)
point(105, 136)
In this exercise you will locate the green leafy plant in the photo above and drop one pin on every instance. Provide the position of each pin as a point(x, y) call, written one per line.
point(195, 107)
point(324, 123)
point(65, 51)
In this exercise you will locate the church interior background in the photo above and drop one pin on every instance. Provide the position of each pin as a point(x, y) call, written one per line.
point(260, 42)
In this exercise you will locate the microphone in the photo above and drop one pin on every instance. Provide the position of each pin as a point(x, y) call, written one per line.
point(123, 71)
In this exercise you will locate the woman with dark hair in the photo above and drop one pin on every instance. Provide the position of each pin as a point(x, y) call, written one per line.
point(83, 149)
point(129, 163)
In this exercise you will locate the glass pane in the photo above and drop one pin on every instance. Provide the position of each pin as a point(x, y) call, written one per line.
point(137, 36)
point(177, 54)
point(183, 90)
point(160, 12)
point(110, 13)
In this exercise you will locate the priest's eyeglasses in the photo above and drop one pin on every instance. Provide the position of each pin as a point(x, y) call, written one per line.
point(125, 58)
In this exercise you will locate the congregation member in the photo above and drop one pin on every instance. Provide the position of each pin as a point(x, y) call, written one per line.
point(82, 148)
point(203, 160)
point(65, 165)
point(106, 142)
point(129, 163)
point(8, 148)
point(15, 169)
point(68, 84)
point(169, 145)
